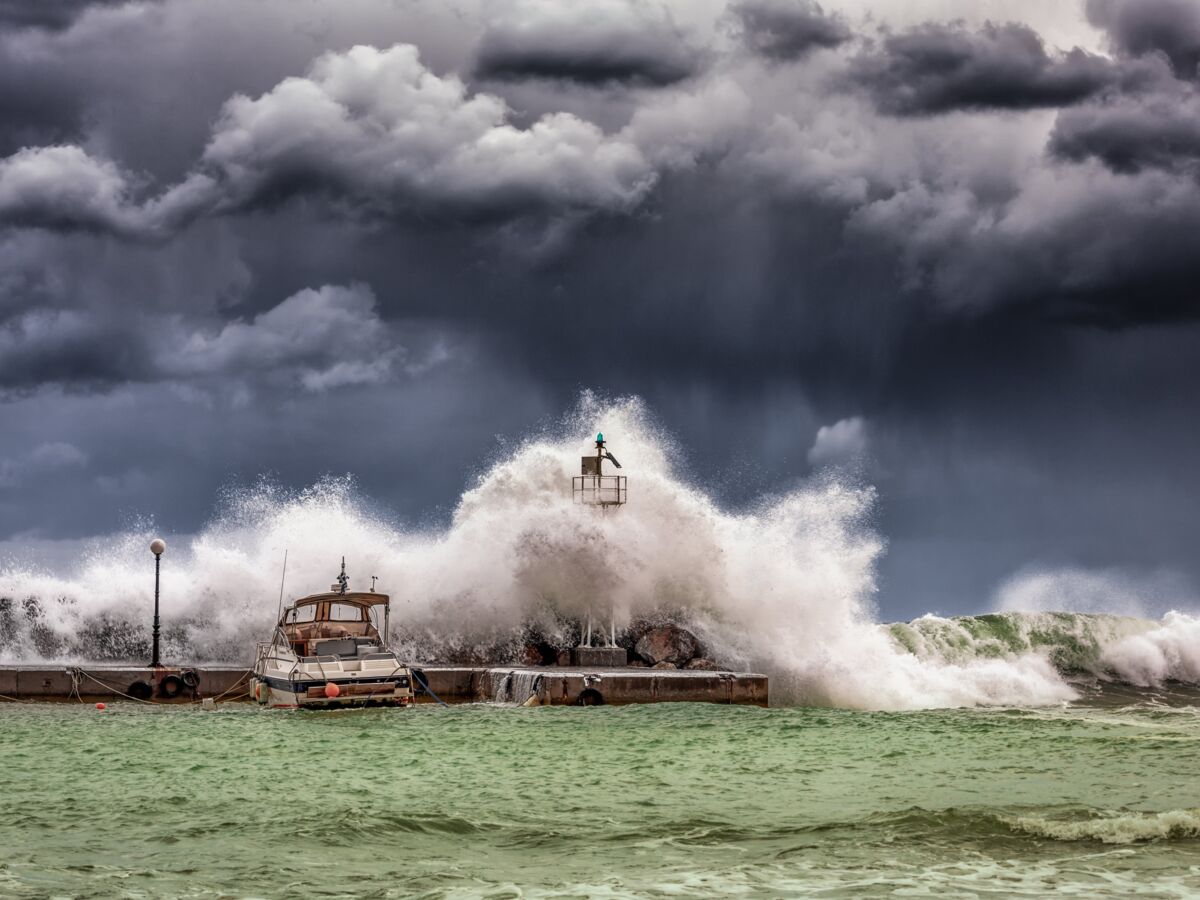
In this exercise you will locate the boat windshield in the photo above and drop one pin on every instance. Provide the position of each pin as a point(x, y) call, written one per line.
point(329, 625)
point(301, 614)
point(326, 611)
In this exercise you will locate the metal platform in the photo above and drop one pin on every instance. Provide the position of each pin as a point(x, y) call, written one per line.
point(599, 490)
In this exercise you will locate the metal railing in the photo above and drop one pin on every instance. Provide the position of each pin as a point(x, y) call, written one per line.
point(599, 490)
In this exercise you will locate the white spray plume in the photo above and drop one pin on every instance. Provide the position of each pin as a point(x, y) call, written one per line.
point(785, 588)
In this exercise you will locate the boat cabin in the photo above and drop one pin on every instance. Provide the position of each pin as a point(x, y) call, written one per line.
point(335, 624)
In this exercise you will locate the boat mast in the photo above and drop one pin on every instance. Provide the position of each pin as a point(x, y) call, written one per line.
point(343, 580)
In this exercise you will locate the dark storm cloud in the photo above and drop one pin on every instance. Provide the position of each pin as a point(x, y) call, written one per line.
point(942, 68)
point(299, 344)
point(45, 347)
point(1132, 133)
point(34, 112)
point(1150, 124)
point(789, 29)
point(619, 42)
point(1082, 246)
point(48, 14)
point(968, 237)
point(1137, 27)
point(40, 101)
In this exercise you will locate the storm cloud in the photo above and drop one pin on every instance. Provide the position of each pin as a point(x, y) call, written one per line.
point(600, 43)
point(53, 16)
point(941, 68)
point(1138, 27)
point(789, 29)
point(806, 234)
point(1134, 131)
point(373, 131)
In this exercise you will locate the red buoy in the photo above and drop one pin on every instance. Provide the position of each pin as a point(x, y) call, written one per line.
point(332, 690)
point(101, 707)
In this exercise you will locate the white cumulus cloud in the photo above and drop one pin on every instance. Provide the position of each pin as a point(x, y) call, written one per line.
point(842, 442)
point(323, 337)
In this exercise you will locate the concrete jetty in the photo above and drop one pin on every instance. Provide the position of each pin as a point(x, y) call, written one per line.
point(542, 685)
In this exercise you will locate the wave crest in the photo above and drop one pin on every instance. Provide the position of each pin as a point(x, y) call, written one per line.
point(1124, 828)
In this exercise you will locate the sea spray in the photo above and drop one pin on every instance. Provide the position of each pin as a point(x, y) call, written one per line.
point(1165, 651)
point(785, 587)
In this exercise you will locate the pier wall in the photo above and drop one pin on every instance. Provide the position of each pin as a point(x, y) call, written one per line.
point(452, 684)
point(616, 686)
point(110, 682)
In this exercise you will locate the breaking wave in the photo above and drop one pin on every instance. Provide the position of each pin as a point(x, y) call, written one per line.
point(786, 587)
point(1116, 828)
point(1131, 650)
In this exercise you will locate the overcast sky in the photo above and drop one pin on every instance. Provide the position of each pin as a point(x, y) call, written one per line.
point(331, 236)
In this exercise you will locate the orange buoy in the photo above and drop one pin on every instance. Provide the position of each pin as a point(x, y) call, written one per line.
point(101, 707)
point(332, 690)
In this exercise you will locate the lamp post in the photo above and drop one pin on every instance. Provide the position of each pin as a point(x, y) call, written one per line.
point(157, 546)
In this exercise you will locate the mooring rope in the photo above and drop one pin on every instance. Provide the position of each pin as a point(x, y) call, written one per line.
point(383, 683)
point(76, 677)
point(229, 690)
point(420, 679)
point(107, 687)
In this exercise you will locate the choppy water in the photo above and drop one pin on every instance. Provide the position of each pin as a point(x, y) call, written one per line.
point(1096, 799)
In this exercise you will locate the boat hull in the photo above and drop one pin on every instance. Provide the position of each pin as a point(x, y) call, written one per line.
point(279, 693)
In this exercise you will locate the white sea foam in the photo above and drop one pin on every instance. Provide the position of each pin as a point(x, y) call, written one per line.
point(1169, 652)
point(786, 587)
point(1127, 828)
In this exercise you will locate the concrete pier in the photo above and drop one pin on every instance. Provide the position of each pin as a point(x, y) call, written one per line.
point(102, 682)
point(549, 685)
point(554, 685)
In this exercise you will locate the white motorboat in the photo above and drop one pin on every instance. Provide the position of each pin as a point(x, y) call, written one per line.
point(330, 650)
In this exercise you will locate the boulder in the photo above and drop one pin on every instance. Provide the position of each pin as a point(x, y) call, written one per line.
point(531, 655)
point(667, 643)
point(701, 662)
point(664, 665)
point(637, 664)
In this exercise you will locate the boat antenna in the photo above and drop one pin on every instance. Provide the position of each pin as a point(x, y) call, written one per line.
point(279, 611)
point(343, 579)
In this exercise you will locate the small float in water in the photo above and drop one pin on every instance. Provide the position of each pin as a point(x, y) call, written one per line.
point(327, 650)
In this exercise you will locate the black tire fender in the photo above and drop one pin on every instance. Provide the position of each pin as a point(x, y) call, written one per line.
point(589, 697)
point(170, 686)
point(140, 690)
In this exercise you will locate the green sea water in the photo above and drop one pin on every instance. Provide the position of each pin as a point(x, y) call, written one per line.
point(1101, 798)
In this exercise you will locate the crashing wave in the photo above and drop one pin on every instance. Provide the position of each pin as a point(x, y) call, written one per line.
point(785, 587)
point(1114, 828)
point(1132, 650)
